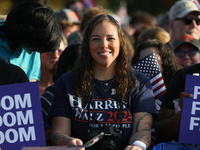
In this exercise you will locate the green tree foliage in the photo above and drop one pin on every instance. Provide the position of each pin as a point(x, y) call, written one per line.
point(154, 7)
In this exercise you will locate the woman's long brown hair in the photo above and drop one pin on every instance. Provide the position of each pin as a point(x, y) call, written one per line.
point(124, 78)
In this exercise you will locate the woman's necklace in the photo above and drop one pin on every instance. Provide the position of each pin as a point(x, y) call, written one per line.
point(106, 84)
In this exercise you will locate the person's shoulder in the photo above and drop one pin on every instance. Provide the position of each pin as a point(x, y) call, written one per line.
point(141, 78)
point(48, 94)
point(67, 76)
point(11, 73)
point(188, 70)
point(50, 88)
point(8, 67)
point(191, 69)
point(34, 55)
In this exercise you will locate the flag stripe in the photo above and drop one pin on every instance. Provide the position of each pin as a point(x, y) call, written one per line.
point(156, 77)
point(159, 91)
point(160, 94)
point(158, 87)
point(156, 84)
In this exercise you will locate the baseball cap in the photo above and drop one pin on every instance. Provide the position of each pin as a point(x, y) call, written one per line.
point(186, 39)
point(181, 8)
point(68, 15)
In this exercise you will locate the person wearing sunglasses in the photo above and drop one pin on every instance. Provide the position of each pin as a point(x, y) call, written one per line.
point(187, 50)
point(184, 19)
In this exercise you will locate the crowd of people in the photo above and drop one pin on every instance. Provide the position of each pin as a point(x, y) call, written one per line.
point(82, 59)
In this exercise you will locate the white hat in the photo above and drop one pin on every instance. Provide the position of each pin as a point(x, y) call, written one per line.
point(181, 8)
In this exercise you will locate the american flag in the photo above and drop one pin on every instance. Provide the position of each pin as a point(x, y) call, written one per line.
point(89, 3)
point(149, 66)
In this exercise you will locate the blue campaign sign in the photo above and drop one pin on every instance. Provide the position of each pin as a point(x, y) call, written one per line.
point(21, 122)
point(190, 120)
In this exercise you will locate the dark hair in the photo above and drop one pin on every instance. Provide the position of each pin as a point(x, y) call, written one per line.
point(32, 24)
point(84, 69)
point(169, 63)
point(164, 19)
point(141, 17)
point(90, 14)
point(67, 61)
point(129, 45)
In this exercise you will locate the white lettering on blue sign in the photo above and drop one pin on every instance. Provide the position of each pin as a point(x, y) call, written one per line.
point(193, 122)
point(10, 119)
point(27, 137)
point(12, 135)
point(28, 117)
point(19, 102)
point(196, 91)
point(8, 134)
point(195, 107)
point(7, 102)
point(6, 117)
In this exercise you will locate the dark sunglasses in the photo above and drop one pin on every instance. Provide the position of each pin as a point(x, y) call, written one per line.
point(190, 53)
point(188, 20)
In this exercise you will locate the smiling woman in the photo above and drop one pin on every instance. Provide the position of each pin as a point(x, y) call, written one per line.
point(103, 80)
point(104, 45)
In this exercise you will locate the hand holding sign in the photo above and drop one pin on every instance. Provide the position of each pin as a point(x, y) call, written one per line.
point(190, 120)
point(182, 95)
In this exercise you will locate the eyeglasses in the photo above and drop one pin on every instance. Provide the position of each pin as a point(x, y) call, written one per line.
point(190, 53)
point(59, 51)
point(188, 20)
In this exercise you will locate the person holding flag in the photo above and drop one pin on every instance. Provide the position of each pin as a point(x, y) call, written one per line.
point(158, 62)
point(164, 55)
